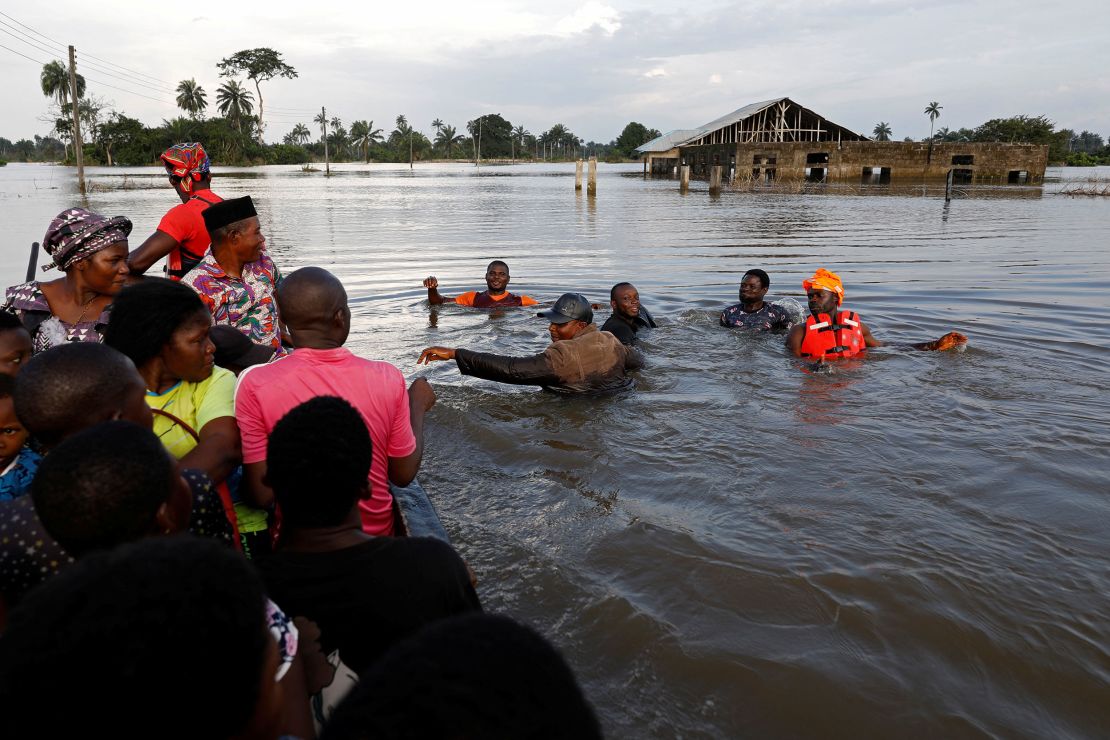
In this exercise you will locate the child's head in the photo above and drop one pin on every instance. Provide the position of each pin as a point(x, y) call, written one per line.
point(15, 343)
point(12, 433)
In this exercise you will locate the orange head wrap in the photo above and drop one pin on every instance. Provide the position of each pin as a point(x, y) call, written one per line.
point(825, 280)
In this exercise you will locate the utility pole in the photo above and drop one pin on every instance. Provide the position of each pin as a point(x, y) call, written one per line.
point(78, 148)
point(410, 148)
point(324, 121)
point(478, 161)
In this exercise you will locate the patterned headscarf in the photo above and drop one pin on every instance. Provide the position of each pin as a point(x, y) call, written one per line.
point(77, 234)
point(825, 280)
point(187, 161)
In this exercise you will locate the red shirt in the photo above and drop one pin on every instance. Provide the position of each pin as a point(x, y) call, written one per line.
point(185, 223)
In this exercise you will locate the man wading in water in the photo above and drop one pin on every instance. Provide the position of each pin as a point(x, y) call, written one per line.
point(831, 333)
point(580, 359)
point(494, 296)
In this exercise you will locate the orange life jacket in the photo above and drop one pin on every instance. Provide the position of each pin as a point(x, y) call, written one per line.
point(825, 339)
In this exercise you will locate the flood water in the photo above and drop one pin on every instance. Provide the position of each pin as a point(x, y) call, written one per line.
point(914, 544)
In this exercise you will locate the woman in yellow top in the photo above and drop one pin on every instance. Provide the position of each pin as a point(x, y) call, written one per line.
point(163, 327)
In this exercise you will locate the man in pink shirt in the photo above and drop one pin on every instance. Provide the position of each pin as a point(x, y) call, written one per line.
point(314, 306)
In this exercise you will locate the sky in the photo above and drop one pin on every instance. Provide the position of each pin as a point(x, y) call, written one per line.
point(593, 66)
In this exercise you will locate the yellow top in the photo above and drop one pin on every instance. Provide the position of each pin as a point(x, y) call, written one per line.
point(196, 404)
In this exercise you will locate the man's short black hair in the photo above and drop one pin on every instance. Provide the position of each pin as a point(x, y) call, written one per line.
point(102, 486)
point(145, 315)
point(59, 390)
point(764, 279)
point(615, 288)
point(472, 676)
point(164, 637)
point(317, 461)
point(498, 262)
point(9, 321)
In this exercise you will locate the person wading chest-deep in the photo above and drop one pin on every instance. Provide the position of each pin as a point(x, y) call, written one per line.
point(580, 359)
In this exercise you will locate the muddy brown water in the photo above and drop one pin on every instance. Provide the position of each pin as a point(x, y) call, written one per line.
point(910, 545)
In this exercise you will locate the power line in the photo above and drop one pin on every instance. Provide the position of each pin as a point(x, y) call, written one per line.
point(13, 51)
point(157, 79)
point(32, 44)
point(43, 35)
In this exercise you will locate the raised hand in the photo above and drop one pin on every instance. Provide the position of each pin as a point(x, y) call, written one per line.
point(431, 282)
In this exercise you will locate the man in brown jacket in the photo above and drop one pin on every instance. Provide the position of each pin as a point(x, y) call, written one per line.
point(580, 359)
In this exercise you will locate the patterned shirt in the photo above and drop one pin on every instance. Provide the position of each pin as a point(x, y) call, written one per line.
point(771, 317)
point(28, 302)
point(248, 303)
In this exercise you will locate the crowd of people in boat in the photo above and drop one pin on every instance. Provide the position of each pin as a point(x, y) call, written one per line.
point(197, 530)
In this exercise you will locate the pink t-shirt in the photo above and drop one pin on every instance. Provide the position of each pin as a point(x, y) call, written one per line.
point(266, 393)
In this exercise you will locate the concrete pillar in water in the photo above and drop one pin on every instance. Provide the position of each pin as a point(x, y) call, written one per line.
point(578, 175)
point(684, 178)
point(591, 185)
point(715, 178)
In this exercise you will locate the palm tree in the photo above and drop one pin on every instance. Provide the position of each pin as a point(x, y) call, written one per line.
point(364, 135)
point(932, 110)
point(301, 134)
point(322, 119)
point(447, 138)
point(234, 101)
point(55, 82)
point(191, 97)
point(882, 131)
point(437, 125)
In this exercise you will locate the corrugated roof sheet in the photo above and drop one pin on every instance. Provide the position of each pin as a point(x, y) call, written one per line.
point(668, 141)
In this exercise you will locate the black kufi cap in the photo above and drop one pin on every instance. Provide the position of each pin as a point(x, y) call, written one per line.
point(569, 307)
point(226, 212)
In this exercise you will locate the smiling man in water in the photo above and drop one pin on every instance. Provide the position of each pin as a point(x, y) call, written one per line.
point(494, 296)
point(629, 316)
point(580, 359)
point(830, 333)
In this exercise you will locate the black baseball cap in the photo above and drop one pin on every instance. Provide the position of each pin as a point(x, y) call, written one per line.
point(569, 307)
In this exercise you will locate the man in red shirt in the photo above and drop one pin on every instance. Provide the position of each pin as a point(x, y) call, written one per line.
point(181, 236)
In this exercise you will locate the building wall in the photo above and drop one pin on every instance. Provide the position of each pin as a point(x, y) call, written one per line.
point(888, 161)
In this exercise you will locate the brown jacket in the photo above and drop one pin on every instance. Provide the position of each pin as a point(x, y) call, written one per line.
point(593, 362)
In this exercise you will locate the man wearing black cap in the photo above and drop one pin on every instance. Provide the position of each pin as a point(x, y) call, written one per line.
point(237, 280)
point(580, 359)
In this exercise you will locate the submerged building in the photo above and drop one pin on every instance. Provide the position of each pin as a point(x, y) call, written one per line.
point(780, 140)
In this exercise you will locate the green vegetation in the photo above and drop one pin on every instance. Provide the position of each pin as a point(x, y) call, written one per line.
point(235, 136)
point(882, 131)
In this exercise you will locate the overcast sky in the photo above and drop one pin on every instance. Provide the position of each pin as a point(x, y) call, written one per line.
point(593, 66)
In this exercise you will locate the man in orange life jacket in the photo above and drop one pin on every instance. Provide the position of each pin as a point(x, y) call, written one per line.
point(181, 236)
point(494, 296)
point(832, 333)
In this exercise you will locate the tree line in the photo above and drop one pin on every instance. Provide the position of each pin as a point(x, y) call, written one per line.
point(236, 135)
point(1065, 146)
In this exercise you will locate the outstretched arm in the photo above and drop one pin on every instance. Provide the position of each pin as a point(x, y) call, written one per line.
point(434, 298)
point(402, 470)
point(156, 246)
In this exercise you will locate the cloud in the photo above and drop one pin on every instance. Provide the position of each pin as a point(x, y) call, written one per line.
point(714, 79)
point(654, 73)
point(589, 16)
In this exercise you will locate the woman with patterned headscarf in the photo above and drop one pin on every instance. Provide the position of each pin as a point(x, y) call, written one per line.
point(92, 252)
point(181, 237)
